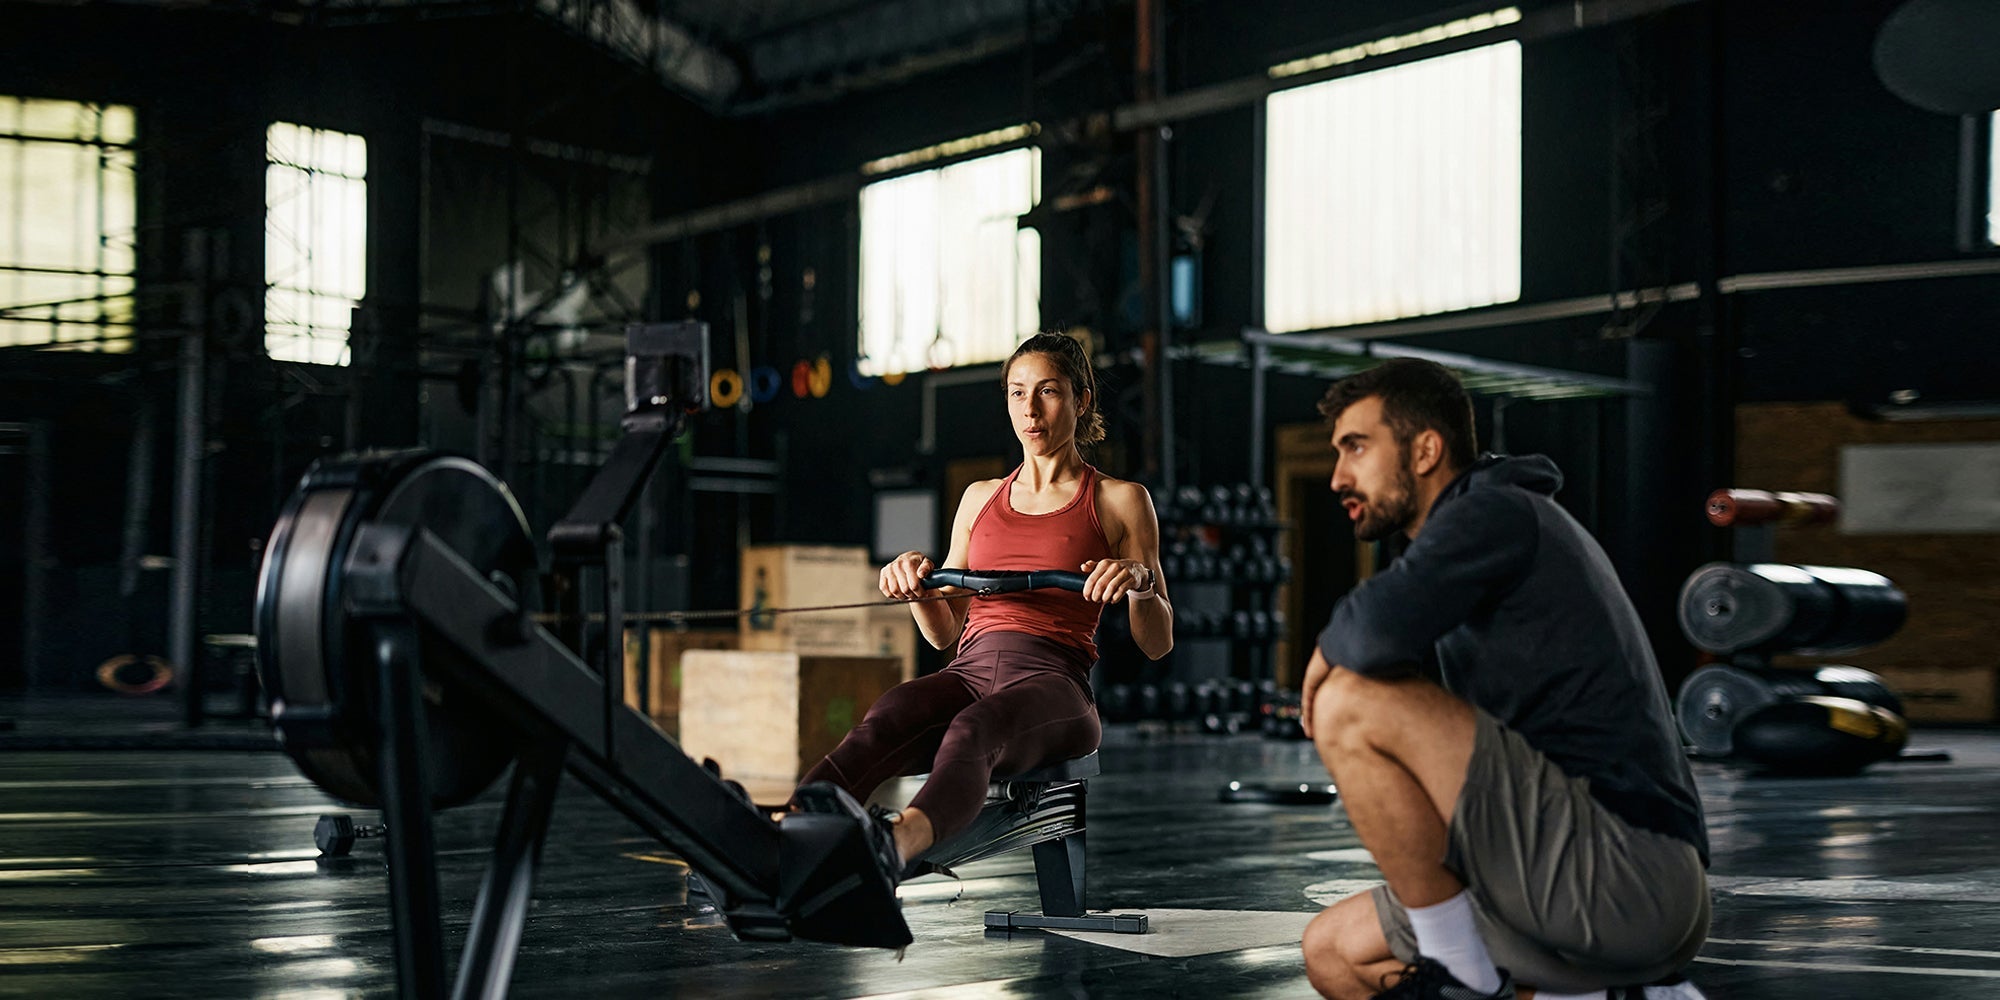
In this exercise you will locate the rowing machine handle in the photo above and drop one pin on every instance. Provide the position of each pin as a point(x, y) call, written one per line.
point(1004, 581)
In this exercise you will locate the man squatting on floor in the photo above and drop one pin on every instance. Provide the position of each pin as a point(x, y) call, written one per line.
point(1534, 816)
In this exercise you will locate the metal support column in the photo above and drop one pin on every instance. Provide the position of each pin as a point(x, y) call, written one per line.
point(191, 435)
point(1155, 248)
point(1259, 356)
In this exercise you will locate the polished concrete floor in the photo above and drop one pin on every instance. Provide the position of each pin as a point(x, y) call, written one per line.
point(193, 873)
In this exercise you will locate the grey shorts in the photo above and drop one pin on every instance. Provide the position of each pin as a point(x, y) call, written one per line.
point(1568, 897)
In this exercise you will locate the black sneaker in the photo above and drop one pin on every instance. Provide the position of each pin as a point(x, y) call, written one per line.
point(1426, 979)
point(882, 836)
point(826, 797)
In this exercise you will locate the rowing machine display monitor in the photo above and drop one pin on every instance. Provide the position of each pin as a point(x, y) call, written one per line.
point(666, 369)
point(394, 618)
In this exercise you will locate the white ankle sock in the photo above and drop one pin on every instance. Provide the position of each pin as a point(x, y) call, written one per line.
point(1447, 935)
point(1678, 991)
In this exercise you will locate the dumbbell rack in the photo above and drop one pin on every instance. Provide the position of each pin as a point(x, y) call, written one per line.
point(1220, 551)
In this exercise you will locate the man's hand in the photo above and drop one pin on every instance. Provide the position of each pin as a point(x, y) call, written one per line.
point(903, 577)
point(1111, 579)
point(1317, 672)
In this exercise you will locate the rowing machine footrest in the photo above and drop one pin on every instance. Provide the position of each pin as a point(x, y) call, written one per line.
point(830, 887)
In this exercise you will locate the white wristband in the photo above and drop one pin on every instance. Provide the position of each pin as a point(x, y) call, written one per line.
point(1144, 595)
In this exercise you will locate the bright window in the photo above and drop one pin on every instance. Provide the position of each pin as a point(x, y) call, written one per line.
point(948, 276)
point(315, 241)
point(1395, 192)
point(1993, 179)
point(67, 217)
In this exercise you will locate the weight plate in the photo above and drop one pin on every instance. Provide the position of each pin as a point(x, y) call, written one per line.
point(312, 655)
point(1713, 700)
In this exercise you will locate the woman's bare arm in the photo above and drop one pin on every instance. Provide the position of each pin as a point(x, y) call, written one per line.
point(1126, 511)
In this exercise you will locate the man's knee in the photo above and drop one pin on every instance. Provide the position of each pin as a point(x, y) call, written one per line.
point(1340, 945)
point(1350, 706)
point(1326, 967)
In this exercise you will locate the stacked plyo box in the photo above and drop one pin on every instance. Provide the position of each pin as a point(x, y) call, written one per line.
point(662, 667)
point(805, 576)
point(800, 681)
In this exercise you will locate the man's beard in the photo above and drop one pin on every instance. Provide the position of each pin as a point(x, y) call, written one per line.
point(1393, 513)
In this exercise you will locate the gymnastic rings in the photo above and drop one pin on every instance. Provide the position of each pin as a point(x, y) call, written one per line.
point(725, 388)
point(118, 673)
point(939, 357)
point(812, 378)
point(764, 383)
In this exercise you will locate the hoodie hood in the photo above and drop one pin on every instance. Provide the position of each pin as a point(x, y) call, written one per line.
point(1535, 473)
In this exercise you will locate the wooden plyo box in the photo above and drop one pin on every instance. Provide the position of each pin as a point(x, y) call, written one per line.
point(767, 716)
point(795, 576)
point(799, 576)
point(665, 647)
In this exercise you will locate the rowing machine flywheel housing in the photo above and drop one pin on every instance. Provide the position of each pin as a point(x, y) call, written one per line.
point(314, 657)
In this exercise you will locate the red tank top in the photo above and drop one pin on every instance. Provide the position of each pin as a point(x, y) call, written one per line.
point(1004, 538)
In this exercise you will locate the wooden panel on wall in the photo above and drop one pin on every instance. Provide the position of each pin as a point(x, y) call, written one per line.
point(1326, 560)
point(1953, 580)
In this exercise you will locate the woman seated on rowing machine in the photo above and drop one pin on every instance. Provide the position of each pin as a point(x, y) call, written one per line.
point(1017, 694)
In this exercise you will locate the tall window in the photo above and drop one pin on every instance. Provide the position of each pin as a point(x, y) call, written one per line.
point(315, 241)
point(1394, 193)
point(67, 216)
point(1993, 179)
point(948, 276)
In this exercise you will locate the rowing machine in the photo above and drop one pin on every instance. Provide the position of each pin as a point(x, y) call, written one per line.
point(395, 633)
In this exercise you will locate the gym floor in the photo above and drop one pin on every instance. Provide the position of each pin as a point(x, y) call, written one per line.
point(193, 873)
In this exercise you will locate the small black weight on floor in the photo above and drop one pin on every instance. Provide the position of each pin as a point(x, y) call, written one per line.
point(1278, 793)
point(335, 834)
point(1820, 734)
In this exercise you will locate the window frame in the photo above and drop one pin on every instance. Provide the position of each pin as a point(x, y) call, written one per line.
point(114, 136)
point(1361, 66)
point(943, 156)
point(301, 342)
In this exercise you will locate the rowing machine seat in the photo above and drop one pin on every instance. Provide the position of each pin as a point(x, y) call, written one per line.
point(1042, 809)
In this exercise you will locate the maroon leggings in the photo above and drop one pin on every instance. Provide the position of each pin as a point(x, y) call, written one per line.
point(1010, 702)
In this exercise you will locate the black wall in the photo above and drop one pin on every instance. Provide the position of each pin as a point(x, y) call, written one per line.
point(1771, 147)
point(1775, 149)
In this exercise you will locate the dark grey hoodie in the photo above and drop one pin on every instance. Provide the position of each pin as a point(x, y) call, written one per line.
point(1529, 623)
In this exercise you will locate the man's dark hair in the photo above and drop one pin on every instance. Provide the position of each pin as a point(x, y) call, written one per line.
point(1416, 395)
